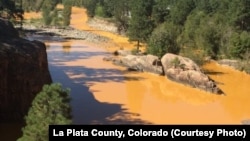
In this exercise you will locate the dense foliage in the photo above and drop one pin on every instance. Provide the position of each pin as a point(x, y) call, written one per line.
point(50, 13)
point(11, 9)
point(50, 106)
point(67, 12)
point(218, 29)
point(140, 25)
point(212, 28)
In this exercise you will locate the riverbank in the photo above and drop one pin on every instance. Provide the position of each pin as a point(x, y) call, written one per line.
point(67, 33)
point(98, 31)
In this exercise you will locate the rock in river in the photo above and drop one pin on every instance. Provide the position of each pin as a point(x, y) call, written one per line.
point(186, 71)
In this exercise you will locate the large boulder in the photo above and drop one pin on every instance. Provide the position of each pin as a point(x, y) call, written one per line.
point(143, 63)
point(186, 71)
point(23, 72)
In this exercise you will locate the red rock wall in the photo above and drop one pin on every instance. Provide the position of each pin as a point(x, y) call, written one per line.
point(23, 72)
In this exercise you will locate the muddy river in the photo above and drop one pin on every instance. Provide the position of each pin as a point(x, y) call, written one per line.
point(106, 94)
point(117, 96)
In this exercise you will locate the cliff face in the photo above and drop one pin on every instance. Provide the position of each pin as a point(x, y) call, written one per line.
point(23, 72)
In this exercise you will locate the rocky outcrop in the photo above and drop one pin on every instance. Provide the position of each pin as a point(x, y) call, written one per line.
point(177, 68)
point(142, 63)
point(185, 71)
point(23, 72)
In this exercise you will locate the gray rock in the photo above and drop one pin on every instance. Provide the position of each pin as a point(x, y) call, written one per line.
point(186, 71)
point(144, 63)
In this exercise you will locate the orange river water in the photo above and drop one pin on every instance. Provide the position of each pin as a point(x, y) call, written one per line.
point(103, 93)
point(106, 94)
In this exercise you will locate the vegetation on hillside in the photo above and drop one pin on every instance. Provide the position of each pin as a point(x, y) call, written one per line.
point(49, 107)
point(140, 25)
point(56, 16)
point(12, 10)
point(207, 28)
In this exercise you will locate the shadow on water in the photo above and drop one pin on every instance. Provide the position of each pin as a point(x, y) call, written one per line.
point(211, 72)
point(46, 36)
point(85, 108)
point(216, 73)
point(59, 56)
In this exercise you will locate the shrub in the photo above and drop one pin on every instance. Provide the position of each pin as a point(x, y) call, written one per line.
point(175, 62)
point(164, 40)
point(50, 106)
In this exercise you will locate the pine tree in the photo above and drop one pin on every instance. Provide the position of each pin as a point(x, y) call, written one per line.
point(240, 10)
point(141, 24)
point(180, 11)
point(121, 14)
point(9, 9)
point(164, 40)
point(66, 12)
point(160, 11)
point(50, 106)
point(48, 6)
point(90, 5)
point(46, 15)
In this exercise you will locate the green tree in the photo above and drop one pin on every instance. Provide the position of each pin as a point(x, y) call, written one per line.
point(66, 12)
point(240, 13)
point(121, 15)
point(90, 5)
point(78, 3)
point(50, 106)
point(48, 7)
point(46, 14)
point(141, 23)
point(180, 11)
point(208, 37)
point(191, 26)
point(164, 40)
point(32, 5)
point(99, 10)
point(109, 7)
point(161, 11)
point(240, 44)
point(10, 10)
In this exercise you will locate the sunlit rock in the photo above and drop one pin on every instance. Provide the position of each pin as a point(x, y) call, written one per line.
point(186, 71)
point(143, 63)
